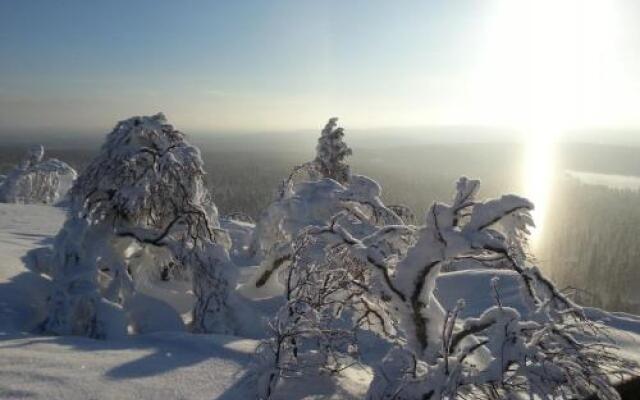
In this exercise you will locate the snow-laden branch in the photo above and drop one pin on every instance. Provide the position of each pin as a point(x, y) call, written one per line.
point(501, 353)
point(356, 200)
point(144, 204)
point(549, 350)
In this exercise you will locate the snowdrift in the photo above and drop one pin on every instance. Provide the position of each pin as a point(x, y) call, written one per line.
point(37, 181)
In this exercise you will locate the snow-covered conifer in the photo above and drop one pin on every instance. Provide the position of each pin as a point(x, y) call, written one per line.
point(312, 194)
point(332, 151)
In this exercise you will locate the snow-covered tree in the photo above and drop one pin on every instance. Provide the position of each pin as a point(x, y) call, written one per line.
point(315, 203)
point(549, 350)
point(330, 297)
point(331, 153)
point(330, 160)
point(312, 194)
point(140, 210)
point(35, 180)
point(546, 349)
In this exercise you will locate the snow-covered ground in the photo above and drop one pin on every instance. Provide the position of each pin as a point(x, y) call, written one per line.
point(155, 366)
point(162, 365)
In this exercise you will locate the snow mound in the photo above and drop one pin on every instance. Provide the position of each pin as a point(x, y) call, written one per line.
point(37, 181)
point(140, 216)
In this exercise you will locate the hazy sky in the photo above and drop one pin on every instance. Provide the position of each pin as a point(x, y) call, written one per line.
point(269, 65)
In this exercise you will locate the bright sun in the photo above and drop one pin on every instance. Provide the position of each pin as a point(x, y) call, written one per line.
point(541, 62)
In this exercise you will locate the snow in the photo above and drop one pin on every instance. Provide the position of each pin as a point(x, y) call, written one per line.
point(159, 365)
point(23, 227)
point(473, 286)
point(167, 365)
point(180, 365)
point(141, 213)
point(37, 181)
point(240, 233)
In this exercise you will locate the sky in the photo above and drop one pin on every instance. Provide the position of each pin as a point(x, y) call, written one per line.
point(540, 66)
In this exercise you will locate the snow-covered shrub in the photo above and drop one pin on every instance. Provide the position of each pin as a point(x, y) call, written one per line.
point(315, 203)
point(37, 181)
point(76, 305)
point(548, 349)
point(140, 213)
point(329, 297)
point(327, 188)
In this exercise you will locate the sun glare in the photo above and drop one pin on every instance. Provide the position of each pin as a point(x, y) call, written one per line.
point(541, 59)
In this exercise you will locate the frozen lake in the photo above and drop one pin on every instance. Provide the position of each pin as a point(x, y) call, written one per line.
point(611, 181)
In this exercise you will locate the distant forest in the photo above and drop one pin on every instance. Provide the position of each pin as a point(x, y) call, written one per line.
point(591, 240)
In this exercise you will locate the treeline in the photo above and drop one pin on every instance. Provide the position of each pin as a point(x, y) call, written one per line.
point(591, 239)
point(245, 180)
point(591, 243)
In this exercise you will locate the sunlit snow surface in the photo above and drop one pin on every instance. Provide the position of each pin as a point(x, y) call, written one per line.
point(162, 365)
point(167, 365)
